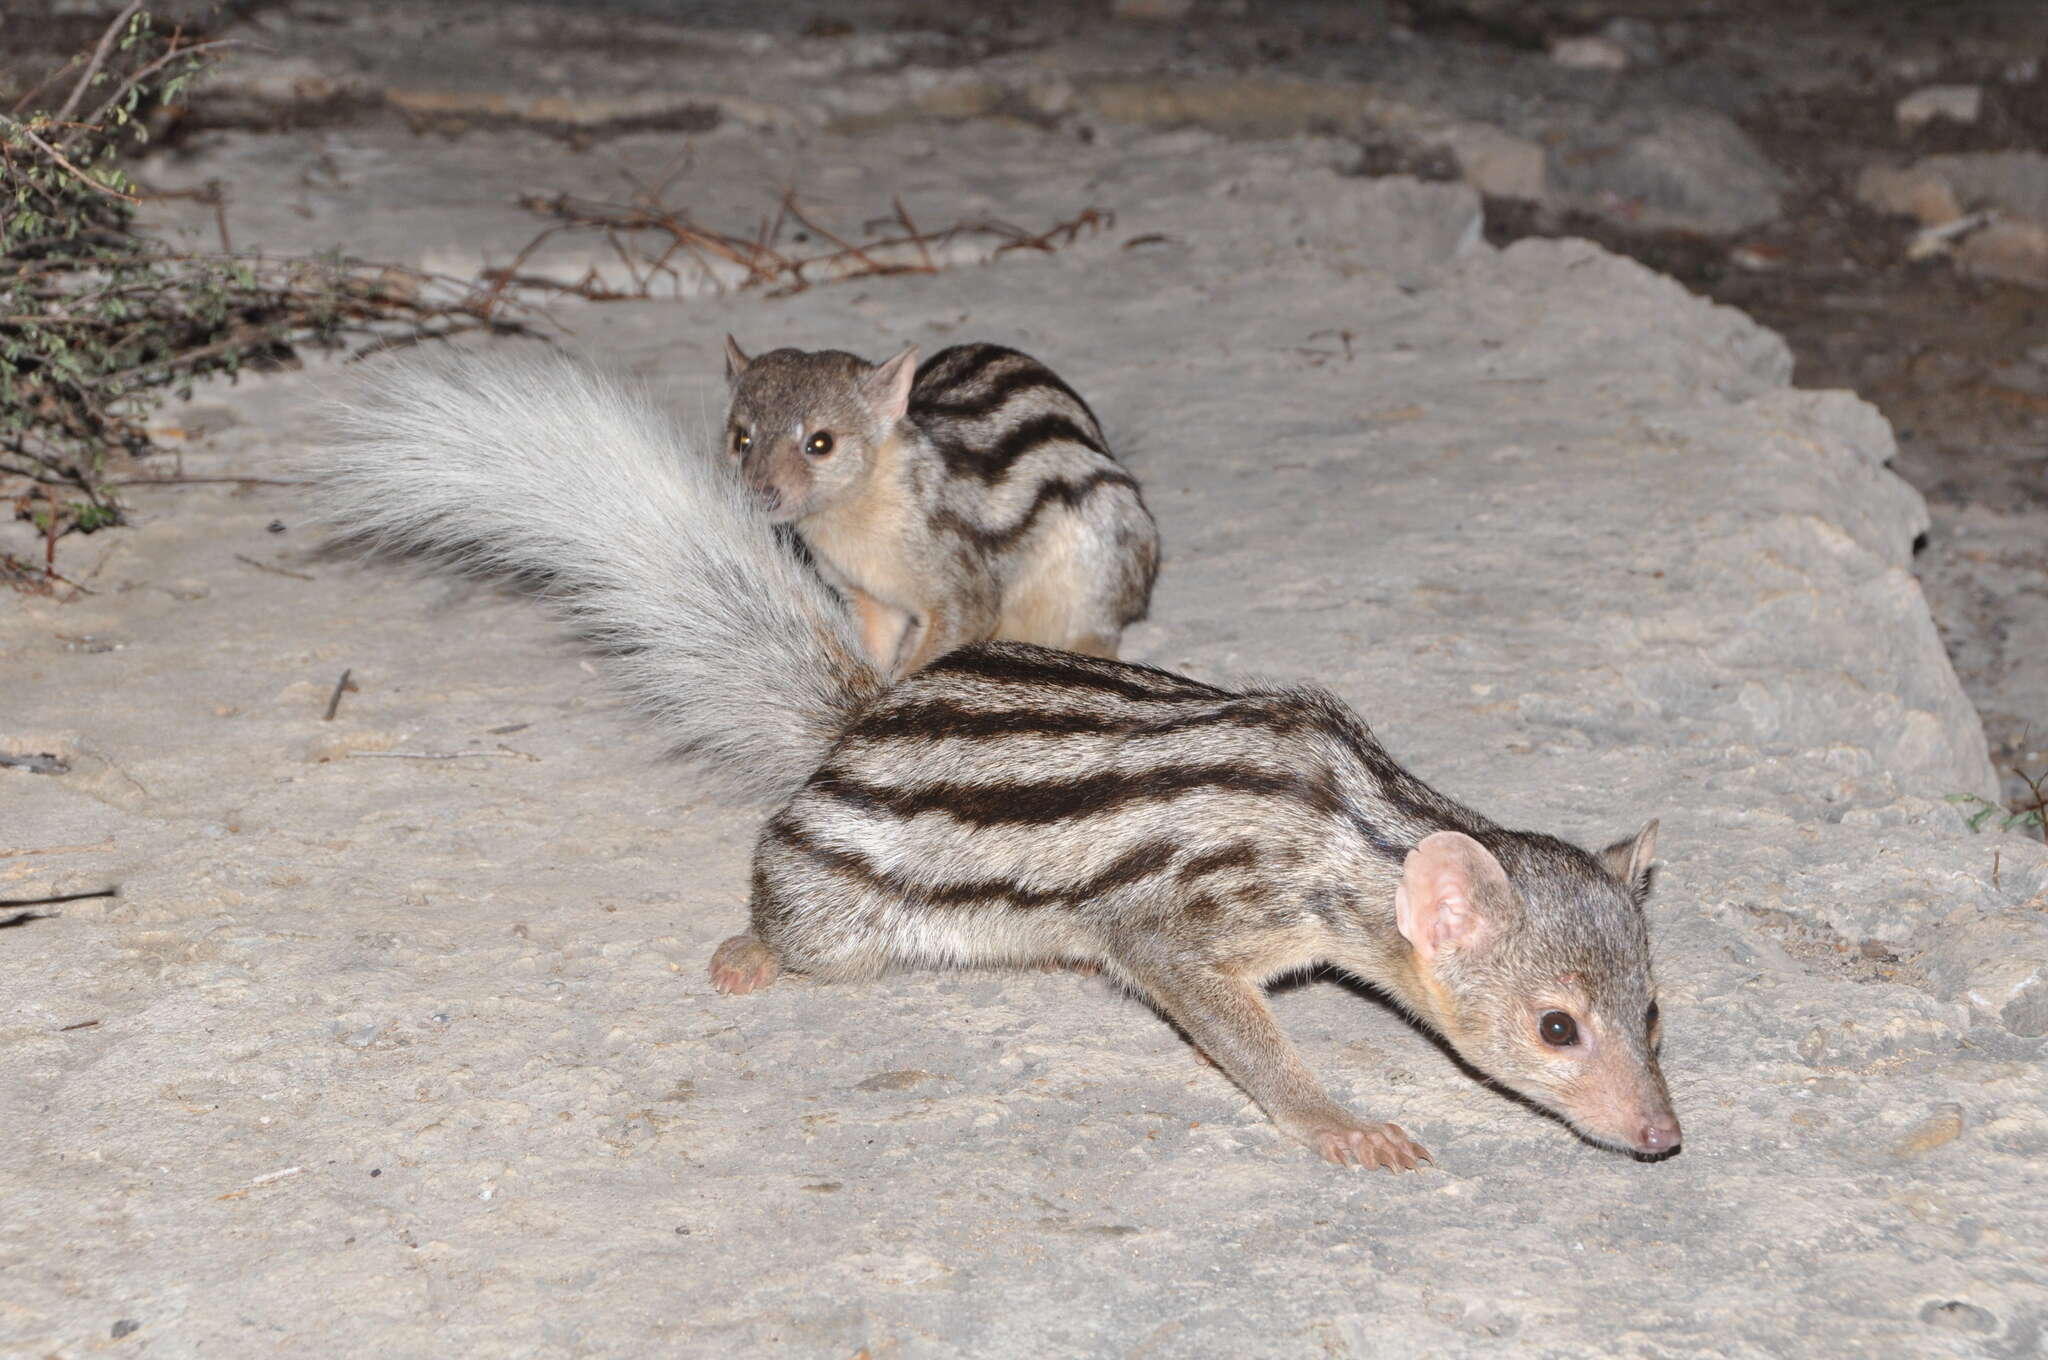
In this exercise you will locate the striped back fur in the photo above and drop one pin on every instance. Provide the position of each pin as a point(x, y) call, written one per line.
point(1009, 776)
point(1020, 802)
point(1018, 441)
point(985, 407)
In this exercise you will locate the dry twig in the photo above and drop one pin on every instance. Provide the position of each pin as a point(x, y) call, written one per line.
point(280, 571)
point(648, 238)
point(341, 687)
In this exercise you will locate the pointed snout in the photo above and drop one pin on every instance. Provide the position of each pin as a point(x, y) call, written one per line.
point(1657, 1135)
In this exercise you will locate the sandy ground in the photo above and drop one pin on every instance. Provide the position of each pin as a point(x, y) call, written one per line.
point(416, 1056)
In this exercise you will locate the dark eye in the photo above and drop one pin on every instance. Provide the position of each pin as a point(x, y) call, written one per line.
point(818, 445)
point(1650, 1019)
point(741, 441)
point(1558, 1029)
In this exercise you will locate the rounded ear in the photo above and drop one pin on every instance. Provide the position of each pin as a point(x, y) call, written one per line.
point(887, 389)
point(736, 360)
point(1451, 886)
point(1629, 861)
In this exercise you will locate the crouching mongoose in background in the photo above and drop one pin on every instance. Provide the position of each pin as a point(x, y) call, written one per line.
point(968, 499)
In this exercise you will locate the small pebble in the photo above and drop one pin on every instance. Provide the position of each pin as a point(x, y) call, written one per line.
point(1957, 1316)
point(1945, 1125)
point(1957, 103)
point(1589, 53)
point(895, 1081)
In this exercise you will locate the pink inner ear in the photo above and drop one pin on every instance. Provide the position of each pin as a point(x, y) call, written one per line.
point(888, 387)
point(1431, 905)
point(1435, 905)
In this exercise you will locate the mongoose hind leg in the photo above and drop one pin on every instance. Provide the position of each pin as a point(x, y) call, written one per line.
point(1098, 644)
point(743, 964)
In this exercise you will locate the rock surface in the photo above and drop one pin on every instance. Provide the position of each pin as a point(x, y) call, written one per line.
point(383, 1052)
point(1655, 159)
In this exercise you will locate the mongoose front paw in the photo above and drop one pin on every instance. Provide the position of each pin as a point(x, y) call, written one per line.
point(1369, 1145)
point(742, 964)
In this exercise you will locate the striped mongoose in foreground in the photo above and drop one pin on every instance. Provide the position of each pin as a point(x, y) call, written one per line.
point(1016, 806)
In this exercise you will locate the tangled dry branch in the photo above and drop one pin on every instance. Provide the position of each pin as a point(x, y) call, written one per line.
point(661, 251)
point(99, 321)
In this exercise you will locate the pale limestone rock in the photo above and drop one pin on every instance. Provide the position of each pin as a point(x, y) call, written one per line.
point(1922, 194)
point(2012, 249)
point(1589, 52)
point(1957, 103)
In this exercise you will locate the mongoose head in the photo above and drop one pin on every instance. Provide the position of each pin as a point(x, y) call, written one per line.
point(1533, 960)
point(806, 425)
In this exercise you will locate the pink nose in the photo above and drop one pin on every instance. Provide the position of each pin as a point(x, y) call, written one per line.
point(1659, 1133)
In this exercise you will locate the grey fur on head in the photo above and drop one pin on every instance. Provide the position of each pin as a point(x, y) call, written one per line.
point(535, 467)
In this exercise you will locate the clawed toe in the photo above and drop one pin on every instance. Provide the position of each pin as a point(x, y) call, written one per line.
point(1371, 1145)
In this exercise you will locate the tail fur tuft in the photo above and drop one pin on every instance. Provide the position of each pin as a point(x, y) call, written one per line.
point(538, 468)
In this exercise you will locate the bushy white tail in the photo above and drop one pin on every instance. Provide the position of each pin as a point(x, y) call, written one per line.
point(538, 468)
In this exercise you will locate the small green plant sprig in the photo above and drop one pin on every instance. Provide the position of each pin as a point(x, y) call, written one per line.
point(2022, 813)
point(79, 292)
